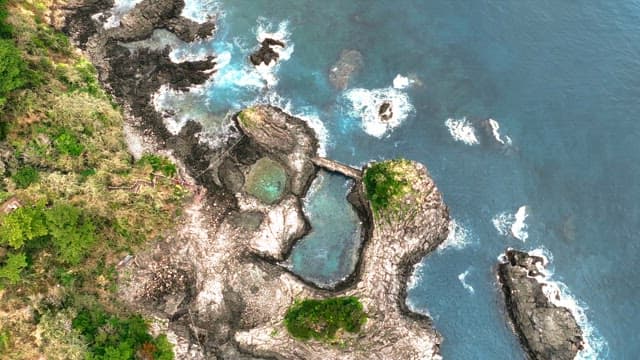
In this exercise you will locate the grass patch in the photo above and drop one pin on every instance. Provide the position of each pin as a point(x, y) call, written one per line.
point(322, 319)
point(249, 118)
point(386, 183)
point(159, 163)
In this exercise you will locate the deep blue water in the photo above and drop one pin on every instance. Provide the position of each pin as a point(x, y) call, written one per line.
point(562, 79)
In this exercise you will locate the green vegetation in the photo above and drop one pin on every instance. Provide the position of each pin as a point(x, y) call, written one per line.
point(25, 176)
point(321, 319)
point(159, 163)
point(85, 203)
point(111, 337)
point(68, 144)
point(249, 117)
point(386, 183)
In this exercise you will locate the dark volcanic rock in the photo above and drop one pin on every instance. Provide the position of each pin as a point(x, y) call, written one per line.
point(385, 111)
point(546, 331)
point(266, 54)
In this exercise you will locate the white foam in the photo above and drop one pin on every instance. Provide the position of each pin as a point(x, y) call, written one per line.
point(266, 30)
point(118, 11)
point(365, 105)
point(201, 11)
point(401, 82)
point(461, 130)
point(558, 293)
point(459, 237)
point(495, 130)
point(416, 277)
point(513, 225)
point(462, 277)
point(519, 227)
point(168, 99)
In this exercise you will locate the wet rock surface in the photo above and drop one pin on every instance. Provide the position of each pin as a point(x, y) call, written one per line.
point(385, 111)
point(546, 331)
point(266, 54)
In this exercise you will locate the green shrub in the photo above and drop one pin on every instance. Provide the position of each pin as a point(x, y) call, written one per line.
point(112, 337)
point(5, 29)
point(12, 69)
point(72, 233)
point(68, 144)
point(64, 227)
point(159, 163)
point(385, 183)
point(12, 267)
point(321, 319)
point(25, 176)
point(5, 338)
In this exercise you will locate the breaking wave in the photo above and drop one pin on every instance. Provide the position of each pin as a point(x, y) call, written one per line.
point(365, 105)
point(459, 237)
point(463, 280)
point(513, 225)
point(202, 11)
point(461, 130)
point(495, 131)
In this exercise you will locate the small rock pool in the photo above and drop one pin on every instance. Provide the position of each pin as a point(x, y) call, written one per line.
point(329, 253)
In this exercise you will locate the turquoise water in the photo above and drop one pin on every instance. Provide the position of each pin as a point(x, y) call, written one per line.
point(560, 78)
point(325, 256)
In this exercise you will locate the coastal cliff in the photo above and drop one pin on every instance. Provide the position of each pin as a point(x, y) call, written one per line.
point(546, 331)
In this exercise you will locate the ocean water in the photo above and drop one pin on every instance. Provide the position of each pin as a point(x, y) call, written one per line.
point(525, 113)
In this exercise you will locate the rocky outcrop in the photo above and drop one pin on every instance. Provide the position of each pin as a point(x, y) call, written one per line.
point(546, 331)
point(345, 68)
point(267, 54)
point(385, 111)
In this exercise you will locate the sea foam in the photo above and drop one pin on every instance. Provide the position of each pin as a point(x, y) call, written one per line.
point(495, 131)
point(513, 225)
point(201, 11)
point(463, 280)
point(461, 130)
point(366, 103)
point(118, 11)
point(266, 30)
point(459, 237)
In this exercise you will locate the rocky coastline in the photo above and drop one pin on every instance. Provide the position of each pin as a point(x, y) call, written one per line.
point(545, 330)
point(215, 285)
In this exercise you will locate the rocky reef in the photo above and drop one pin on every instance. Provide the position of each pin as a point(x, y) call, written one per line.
point(345, 68)
point(546, 331)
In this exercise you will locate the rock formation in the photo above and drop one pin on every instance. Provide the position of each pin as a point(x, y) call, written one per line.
point(546, 331)
point(266, 53)
point(385, 112)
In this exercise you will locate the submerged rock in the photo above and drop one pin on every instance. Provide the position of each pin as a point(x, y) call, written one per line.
point(266, 54)
point(546, 331)
point(345, 68)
